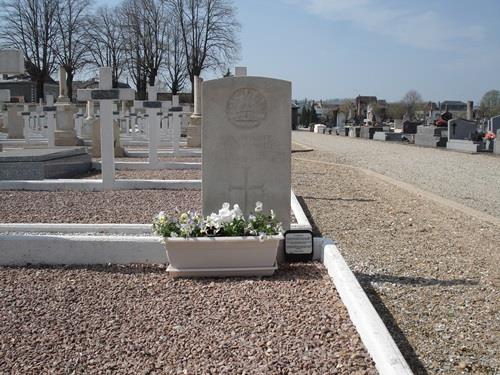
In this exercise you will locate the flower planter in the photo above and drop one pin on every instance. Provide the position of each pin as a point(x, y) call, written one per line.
point(222, 256)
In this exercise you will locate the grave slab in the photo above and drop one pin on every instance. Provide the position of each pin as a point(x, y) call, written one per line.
point(39, 164)
point(387, 136)
point(367, 132)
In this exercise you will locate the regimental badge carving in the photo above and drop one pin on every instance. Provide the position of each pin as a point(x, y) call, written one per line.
point(246, 108)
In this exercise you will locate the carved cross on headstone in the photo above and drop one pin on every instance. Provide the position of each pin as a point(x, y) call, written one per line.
point(105, 94)
point(246, 188)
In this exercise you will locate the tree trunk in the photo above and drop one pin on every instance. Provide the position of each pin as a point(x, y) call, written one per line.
point(69, 84)
point(40, 89)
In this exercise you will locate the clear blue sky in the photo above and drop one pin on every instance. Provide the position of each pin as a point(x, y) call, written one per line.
point(445, 49)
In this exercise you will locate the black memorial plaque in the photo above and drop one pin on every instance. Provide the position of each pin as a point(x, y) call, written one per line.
point(112, 94)
point(299, 245)
point(151, 104)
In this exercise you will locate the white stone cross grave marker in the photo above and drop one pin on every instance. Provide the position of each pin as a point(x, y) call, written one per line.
point(153, 112)
point(50, 113)
point(105, 94)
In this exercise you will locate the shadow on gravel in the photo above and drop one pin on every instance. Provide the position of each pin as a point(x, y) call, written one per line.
point(416, 281)
point(341, 199)
point(315, 229)
point(397, 334)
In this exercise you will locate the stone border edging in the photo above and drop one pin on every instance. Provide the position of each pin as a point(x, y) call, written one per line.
point(97, 185)
point(372, 330)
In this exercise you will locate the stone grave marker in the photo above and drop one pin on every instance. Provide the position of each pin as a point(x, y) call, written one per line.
point(194, 128)
point(11, 61)
point(105, 94)
point(463, 136)
point(246, 144)
point(494, 125)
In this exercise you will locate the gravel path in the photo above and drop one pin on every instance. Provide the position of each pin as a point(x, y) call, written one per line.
point(431, 272)
point(472, 180)
point(127, 206)
point(139, 321)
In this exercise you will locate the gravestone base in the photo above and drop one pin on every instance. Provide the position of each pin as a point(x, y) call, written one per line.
point(47, 163)
point(387, 137)
point(96, 140)
point(431, 136)
point(65, 134)
point(367, 132)
point(194, 132)
point(464, 146)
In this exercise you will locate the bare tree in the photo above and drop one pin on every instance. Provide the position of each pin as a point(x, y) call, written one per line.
point(176, 67)
point(209, 29)
point(30, 25)
point(105, 41)
point(146, 33)
point(412, 102)
point(71, 49)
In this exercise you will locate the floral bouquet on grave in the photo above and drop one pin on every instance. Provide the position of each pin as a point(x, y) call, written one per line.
point(226, 223)
point(489, 136)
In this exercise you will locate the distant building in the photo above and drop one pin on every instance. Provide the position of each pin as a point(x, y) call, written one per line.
point(453, 106)
point(26, 88)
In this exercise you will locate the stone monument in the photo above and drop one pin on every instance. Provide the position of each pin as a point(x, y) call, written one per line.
point(194, 128)
point(246, 144)
point(65, 134)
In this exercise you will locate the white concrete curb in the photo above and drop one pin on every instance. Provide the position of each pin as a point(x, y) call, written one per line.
point(374, 334)
point(80, 250)
point(123, 229)
point(145, 153)
point(96, 185)
point(132, 166)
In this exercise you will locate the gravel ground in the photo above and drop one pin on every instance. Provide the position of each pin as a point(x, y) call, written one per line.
point(472, 180)
point(139, 321)
point(164, 174)
point(431, 272)
point(127, 206)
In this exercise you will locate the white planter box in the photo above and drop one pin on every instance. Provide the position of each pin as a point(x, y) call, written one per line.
point(222, 256)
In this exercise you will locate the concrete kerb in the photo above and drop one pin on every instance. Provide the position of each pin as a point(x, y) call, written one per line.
point(97, 185)
point(374, 334)
point(132, 166)
point(133, 243)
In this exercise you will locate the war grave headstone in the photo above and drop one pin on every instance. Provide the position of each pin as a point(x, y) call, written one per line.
point(105, 94)
point(246, 144)
point(463, 136)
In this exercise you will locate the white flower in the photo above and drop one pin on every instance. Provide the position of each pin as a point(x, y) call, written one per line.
point(273, 216)
point(262, 237)
point(225, 214)
point(258, 206)
point(174, 235)
point(238, 214)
